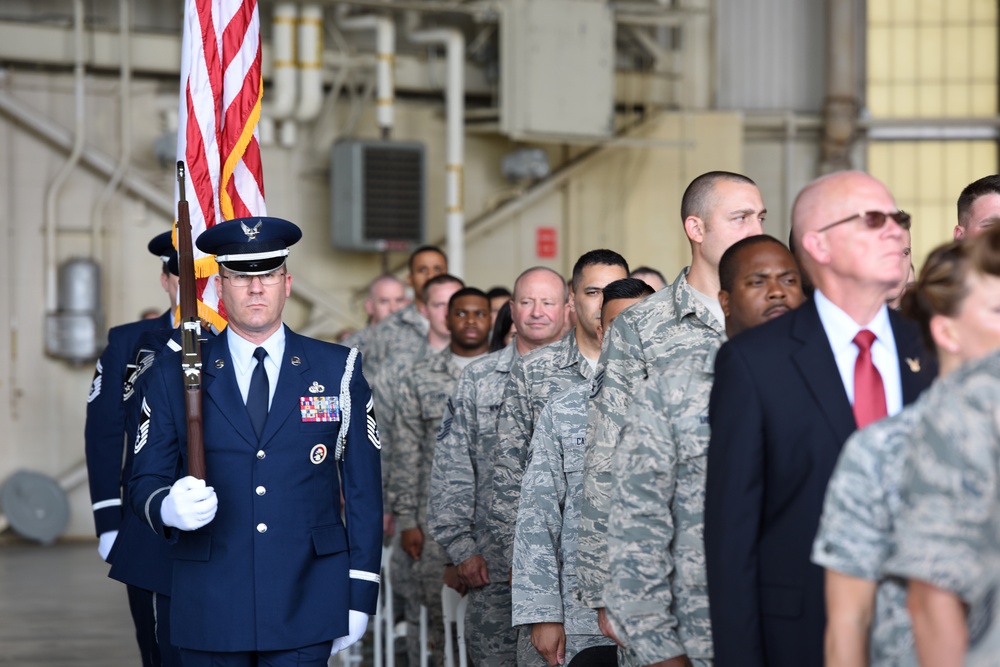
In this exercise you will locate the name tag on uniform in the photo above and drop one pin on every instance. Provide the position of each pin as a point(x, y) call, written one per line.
point(320, 408)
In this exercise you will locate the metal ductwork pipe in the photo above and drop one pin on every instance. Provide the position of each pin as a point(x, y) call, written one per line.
point(843, 85)
point(455, 112)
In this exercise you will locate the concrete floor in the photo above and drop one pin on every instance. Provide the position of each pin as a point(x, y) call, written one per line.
point(58, 607)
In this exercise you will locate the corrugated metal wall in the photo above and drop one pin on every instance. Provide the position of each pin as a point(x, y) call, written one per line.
point(771, 54)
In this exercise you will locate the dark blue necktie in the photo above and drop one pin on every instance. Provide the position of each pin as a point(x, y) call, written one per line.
point(257, 397)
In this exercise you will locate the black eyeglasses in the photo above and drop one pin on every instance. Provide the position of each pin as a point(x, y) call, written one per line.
point(244, 279)
point(874, 219)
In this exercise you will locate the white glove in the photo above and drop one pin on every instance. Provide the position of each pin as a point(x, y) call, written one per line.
point(357, 623)
point(189, 505)
point(106, 541)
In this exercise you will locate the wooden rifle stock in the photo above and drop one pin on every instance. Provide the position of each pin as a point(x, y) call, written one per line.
point(190, 328)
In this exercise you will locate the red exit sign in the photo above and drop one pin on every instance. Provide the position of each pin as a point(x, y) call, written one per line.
point(546, 242)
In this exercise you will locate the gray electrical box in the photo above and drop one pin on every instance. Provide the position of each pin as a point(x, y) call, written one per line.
point(557, 69)
point(378, 195)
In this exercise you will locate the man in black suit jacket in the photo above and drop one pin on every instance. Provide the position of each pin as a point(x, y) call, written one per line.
point(780, 410)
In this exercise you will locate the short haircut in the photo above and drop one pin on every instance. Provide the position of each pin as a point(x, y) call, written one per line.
point(627, 288)
point(439, 280)
point(535, 269)
point(497, 292)
point(647, 269)
point(385, 277)
point(727, 265)
point(599, 256)
point(468, 291)
point(421, 250)
point(698, 195)
point(501, 327)
point(987, 185)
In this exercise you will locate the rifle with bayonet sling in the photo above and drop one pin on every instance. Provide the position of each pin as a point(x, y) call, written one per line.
point(190, 328)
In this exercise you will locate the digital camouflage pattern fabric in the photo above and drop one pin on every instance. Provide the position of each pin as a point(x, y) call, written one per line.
point(651, 334)
point(657, 594)
point(545, 540)
point(458, 506)
point(949, 524)
point(534, 379)
point(857, 531)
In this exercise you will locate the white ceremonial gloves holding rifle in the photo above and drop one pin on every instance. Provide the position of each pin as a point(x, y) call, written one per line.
point(189, 505)
point(356, 625)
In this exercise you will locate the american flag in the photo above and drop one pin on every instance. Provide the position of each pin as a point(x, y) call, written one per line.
point(220, 102)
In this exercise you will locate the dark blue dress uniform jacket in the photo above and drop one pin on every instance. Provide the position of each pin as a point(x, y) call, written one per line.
point(277, 568)
point(104, 434)
point(140, 557)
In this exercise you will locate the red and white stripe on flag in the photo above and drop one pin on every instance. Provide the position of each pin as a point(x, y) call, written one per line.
point(220, 101)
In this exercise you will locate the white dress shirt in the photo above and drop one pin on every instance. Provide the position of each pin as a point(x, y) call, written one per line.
point(244, 362)
point(840, 331)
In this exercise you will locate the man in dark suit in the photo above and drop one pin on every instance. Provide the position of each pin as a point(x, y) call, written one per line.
point(104, 437)
point(786, 396)
point(264, 566)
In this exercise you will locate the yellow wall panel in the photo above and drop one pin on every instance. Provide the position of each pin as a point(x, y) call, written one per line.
point(983, 50)
point(957, 62)
point(879, 67)
point(879, 11)
point(904, 50)
point(931, 10)
point(983, 10)
point(930, 100)
point(930, 59)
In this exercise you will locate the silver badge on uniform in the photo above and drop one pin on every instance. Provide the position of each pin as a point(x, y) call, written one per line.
point(317, 454)
point(219, 363)
point(252, 233)
point(296, 361)
point(316, 388)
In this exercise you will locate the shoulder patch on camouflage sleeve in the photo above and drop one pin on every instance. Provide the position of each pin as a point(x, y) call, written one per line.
point(143, 434)
point(597, 385)
point(95, 384)
point(449, 417)
point(373, 436)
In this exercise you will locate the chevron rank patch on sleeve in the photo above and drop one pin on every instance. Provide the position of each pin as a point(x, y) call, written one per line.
point(373, 436)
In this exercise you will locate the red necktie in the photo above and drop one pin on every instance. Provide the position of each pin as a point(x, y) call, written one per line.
point(869, 394)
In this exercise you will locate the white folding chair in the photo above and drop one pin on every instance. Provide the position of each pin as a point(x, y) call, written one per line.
point(425, 652)
point(453, 607)
point(385, 638)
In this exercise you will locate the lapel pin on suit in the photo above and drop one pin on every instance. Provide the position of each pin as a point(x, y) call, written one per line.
point(316, 388)
point(914, 364)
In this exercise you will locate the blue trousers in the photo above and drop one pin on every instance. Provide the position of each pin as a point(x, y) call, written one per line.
point(316, 655)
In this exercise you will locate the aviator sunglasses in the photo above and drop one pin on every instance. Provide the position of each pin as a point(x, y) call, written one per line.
point(874, 219)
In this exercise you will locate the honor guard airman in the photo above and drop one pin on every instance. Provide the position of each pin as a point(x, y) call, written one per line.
point(104, 436)
point(263, 563)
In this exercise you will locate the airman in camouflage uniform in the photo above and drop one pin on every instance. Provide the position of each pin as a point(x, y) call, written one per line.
point(656, 594)
point(857, 530)
point(948, 531)
point(458, 506)
point(423, 395)
point(651, 334)
point(544, 572)
point(534, 379)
